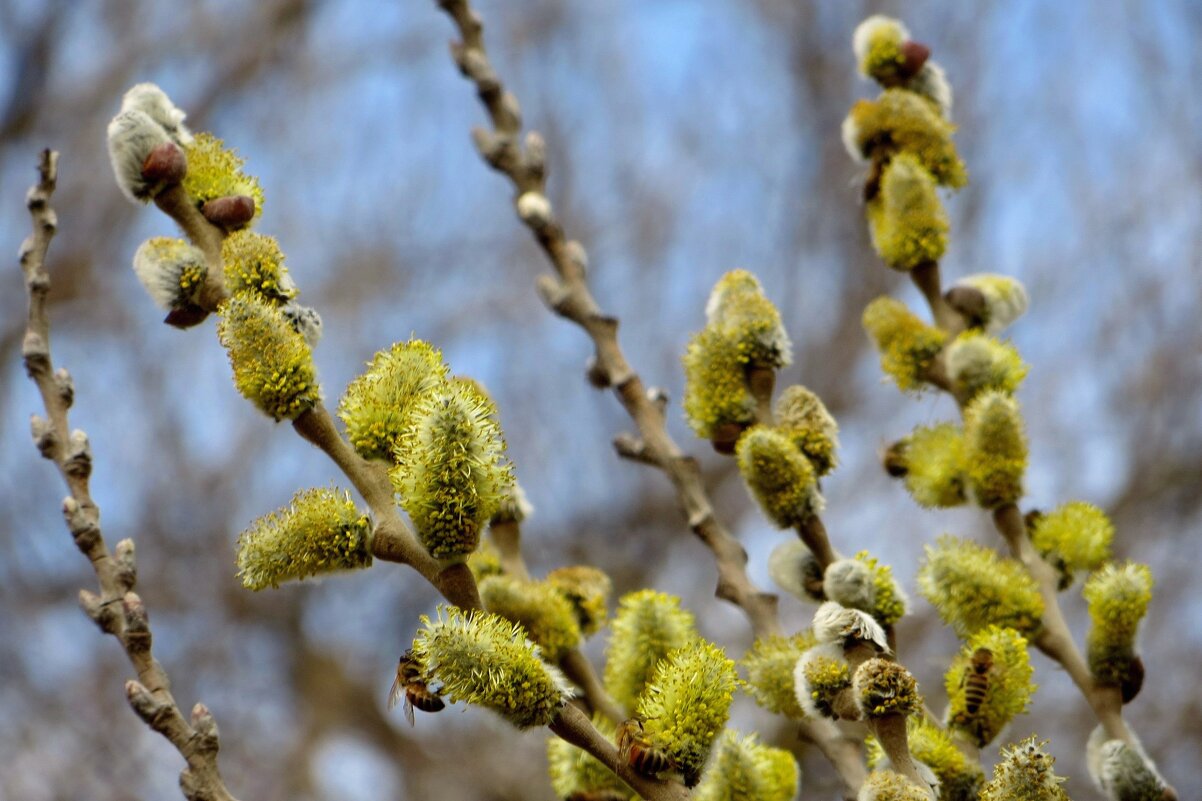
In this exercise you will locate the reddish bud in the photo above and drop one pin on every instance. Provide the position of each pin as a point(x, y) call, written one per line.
point(231, 211)
point(165, 164)
point(914, 56)
point(186, 317)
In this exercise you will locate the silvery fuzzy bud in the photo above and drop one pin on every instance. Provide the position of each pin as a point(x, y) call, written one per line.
point(849, 582)
point(834, 623)
point(154, 103)
point(304, 320)
point(132, 136)
point(795, 569)
point(171, 270)
point(1122, 772)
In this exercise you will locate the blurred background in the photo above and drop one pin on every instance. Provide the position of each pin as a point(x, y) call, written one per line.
point(686, 138)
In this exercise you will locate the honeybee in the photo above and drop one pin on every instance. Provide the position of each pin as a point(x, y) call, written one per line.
point(646, 759)
point(409, 684)
point(976, 679)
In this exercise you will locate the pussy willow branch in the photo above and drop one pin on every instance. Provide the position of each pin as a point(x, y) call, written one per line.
point(507, 537)
point(392, 539)
point(1055, 639)
point(567, 294)
point(117, 609)
point(572, 726)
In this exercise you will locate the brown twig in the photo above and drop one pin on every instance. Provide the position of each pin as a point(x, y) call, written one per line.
point(567, 294)
point(1055, 639)
point(507, 537)
point(117, 609)
point(572, 725)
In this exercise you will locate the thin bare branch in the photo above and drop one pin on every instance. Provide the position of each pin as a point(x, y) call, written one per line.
point(117, 609)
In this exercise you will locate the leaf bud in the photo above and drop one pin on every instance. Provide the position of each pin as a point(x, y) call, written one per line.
point(795, 569)
point(538, 607)
point(273, 366)
point(216, 172)
point(686, 704)
point(165, 165)
point(319, 532)
point(517, 684)
point(647, 626)
point(1073, 537)
point(931, 83)
point(454, 472)
point(1118, 598)
point(988, 684)
point(907, 345)
point(377, 405)
point(803, 417)
point(132, 137)
point(988, 300)
point(770, 663)
point(152, 101)
point(588, 590)
point(1122, 772)
point(997, 449)
point(743, 769)
point(779, 477)
point(972, 587)
point(230, 212)
point(535, 210)
point(305, 321)
point(834, 623)
point(739, 310)
point(1025, 772)
point(849, 582)
point(906, 218)
point(171, 270)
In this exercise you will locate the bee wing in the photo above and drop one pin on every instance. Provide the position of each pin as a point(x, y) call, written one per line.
point(394, 694)
point(408, 710)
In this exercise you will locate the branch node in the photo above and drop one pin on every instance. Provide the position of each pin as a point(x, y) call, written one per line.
point(44, 436)
point(127, 567)
point(36, 354)
point(535, 210)
point(659, 398)
point(597, 375)
point(65, 386)
point(536, 157)
point(137, 624)
point(631, 447)
point(78, 463)
point(82, 526)
point(576, 256)
point(553, 293)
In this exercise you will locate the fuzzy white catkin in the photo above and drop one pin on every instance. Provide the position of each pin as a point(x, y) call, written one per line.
point(154, 103)
point(801, 686)
point(159, 269)
point(131, 136)
point(305, 321)
point(849, 582)
point(861, 40)
point(834, 623)
point(1005, 299)
point(789, 565)
point(1119, 770)
point(931, 82)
